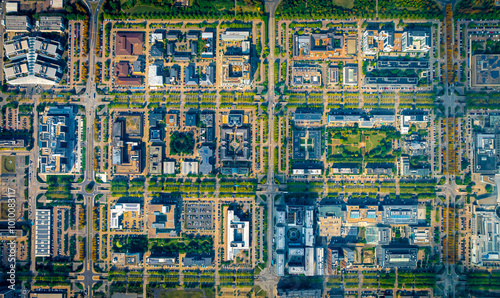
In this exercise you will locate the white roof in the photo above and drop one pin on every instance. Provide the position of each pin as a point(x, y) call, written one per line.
point(11, 7)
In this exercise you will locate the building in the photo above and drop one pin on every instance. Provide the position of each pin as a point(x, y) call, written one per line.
point(350, 75)
point(379, 169)
point(318, 46)
point(191, 119)
point(313, 293)
point(416, 40)
point(306, 144)
point(17, 23)
point(375, 40)
point(172, 77)
point(127, 157)
point(486, 238)
point(309, 170)
point(209, 49)
point(345, 168)
point(399, 257)
point(43, 223)
point(191, 77)
point(391, 81)
point(48, 293)
point(51, 23)
point(420, 235)
point(206, 155)
point(330, 219)
point(235, 144)
point(155, 76)
point(198, 261)
point(235, 71)
point(333, 75)
point(58, 141)
point(155, 160)
point(169, 167)
point(208, 77)
point(485, 153)
point(408, 170)
point(305, 76)
point(400, 215)
point(159, 260)
point(34, 60)
point(129, 43)
point(238, 235)
point(189, 168)
point(117, 212)
point(412, 116)
point(57, 4)
point(161, 220)
point(307, 117)
point(378, 235)
point(485, 70)
point(11, 7)
point(280, 264)
point(363, 215)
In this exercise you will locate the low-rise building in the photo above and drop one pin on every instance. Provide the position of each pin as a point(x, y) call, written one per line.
point(330, 219)
point(43, 226)
point(412, 116)
point(363, 214)
point(117, 212)
point(307, 117)
point(206, 165)
point(485, 237)
point(189, 168)
point(408, 170)
point(238, 235)
point(400, 215)
point(198, 261)
point(305, 76)
point(350, 76)
point(399, 257)
point(17, 23)
point(155, 160)
point(420, 235)
point(51, 23)
point(161, 220)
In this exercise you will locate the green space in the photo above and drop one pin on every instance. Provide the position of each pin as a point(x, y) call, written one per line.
point(59, 187)
point(4, 211)
point(182, 294)
point(8, 164)
point(181, 143)
point(196, 9)
point(483, 100)
point(354, 144)
point(188, 245)
point(318, 9)
point(476, 9)
point(124, 243)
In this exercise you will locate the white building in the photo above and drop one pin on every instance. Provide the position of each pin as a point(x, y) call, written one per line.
point(238, 235)
point(43, 223)
point(189, 167)
point(118, 211)
point(155, 76)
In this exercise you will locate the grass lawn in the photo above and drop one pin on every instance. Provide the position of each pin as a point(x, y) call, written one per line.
point(4, 211)
point(8, 164)
point(142, 9)
point(344, 3)
point(182, 294)
point(372, 140)
point(209, 292)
